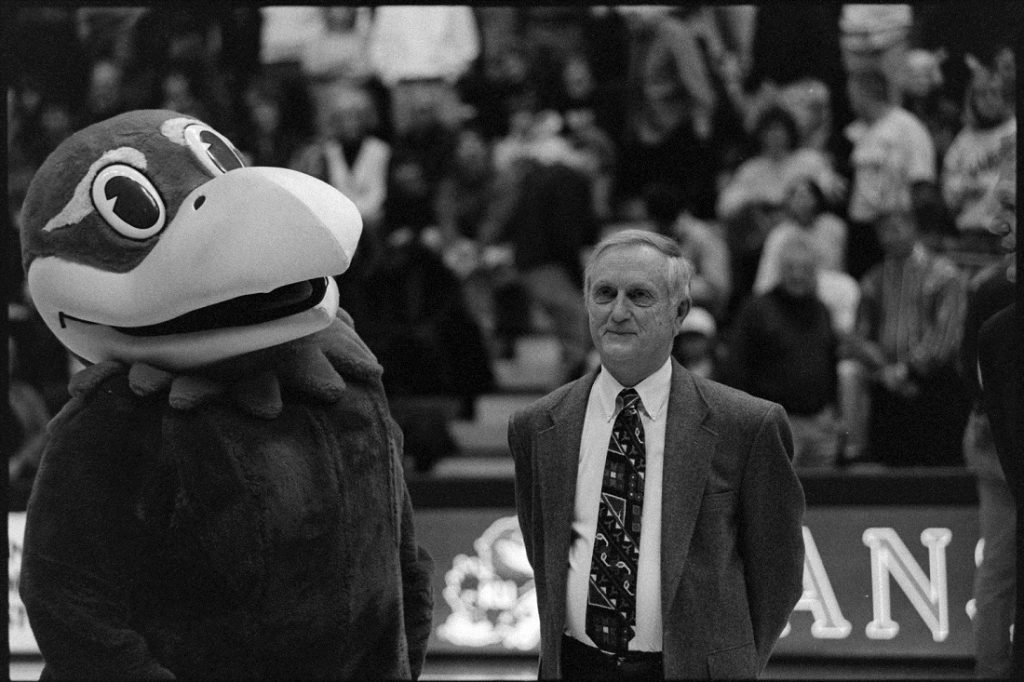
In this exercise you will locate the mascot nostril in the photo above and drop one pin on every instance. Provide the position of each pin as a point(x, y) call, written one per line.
point(228, 449)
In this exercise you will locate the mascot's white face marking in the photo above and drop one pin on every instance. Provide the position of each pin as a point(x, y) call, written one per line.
point(80, 204)
point(174, 129)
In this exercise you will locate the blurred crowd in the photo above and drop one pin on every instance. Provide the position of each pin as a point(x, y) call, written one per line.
point(825, 167)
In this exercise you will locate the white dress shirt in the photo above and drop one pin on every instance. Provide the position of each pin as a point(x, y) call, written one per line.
point(602, 409)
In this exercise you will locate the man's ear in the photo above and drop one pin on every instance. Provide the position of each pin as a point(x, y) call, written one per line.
point(681, 312)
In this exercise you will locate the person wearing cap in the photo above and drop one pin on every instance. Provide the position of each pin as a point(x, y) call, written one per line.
point(659, 510)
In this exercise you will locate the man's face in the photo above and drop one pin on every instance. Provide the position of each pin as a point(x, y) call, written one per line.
point(896, 235)
point(799, 272)
point(633, 317)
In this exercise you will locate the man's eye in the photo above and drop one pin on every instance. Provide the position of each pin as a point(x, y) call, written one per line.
point(603, 294)
point(641, 297)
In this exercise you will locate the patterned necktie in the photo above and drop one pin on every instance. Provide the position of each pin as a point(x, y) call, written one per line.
point(611, 600)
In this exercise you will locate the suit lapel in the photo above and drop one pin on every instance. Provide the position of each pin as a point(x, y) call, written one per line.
point(689, 446)
point(558, 449)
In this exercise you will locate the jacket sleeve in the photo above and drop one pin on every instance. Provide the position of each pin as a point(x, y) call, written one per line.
point(81, 549)
point(771, 532)
point(523, 484)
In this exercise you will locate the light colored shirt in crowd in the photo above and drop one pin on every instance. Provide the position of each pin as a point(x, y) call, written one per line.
point(889, 156)
point(422, 42)
point(827, 236)
point(970, 168)
point(602, 408)
point(764, 180)
point(365, 182)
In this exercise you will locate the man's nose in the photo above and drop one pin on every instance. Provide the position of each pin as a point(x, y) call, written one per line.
point(620, 309)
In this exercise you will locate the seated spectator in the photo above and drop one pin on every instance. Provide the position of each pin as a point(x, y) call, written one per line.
point(782, 347)
point(764, 179)
point(339, 51)
point(419, 53)
point(273, 135)
point(700, 242)
point(804, 214)
point(696, 344)
point(496, 88)
point(971, 165)
point(548, 220)
point(908, 331)
point(893, 161)
point(349, 156)
point(409, 308)
point(923, 95)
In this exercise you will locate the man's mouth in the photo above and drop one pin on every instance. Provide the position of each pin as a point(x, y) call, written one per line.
point(243, 311)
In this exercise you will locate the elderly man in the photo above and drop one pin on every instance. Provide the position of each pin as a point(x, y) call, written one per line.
point(660, 510)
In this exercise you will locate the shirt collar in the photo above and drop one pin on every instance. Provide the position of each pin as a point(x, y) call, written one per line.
point(653, 391)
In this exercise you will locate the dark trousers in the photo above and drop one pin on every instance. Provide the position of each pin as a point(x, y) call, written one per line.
point(582, 662)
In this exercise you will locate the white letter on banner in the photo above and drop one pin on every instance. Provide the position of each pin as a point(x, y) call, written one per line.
point(889, 556)
point(818, 596)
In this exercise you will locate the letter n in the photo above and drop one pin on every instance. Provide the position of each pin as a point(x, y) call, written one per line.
point(889, 556)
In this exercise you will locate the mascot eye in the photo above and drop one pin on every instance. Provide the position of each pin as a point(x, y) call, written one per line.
point(212, 149)
point(128, 201)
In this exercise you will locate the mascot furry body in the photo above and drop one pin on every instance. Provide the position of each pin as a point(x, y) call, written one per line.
point(223, 496)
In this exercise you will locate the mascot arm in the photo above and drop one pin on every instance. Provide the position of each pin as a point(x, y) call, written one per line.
point(79, 561)
point(417, 568)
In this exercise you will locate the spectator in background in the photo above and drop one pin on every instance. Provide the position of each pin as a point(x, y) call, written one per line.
point(923, 95)
point(105, 95)
point(783, 348)
point(700, 242)
point(426, 137)
point(273, 136)
point(671, 104)
point(340, 51)
point(496, 88)
point(419, 53)
point(349, 156)
point(696, 345)
point(764, 179)
point(181, 91)
point(548, 221)
point(893, 163)
point(909, 328)
point(804, 214)
point(751, 203)
point(876, 37)
point(971, 165)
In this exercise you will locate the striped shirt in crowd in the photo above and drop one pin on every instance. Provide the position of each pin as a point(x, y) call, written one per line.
point(914, 308)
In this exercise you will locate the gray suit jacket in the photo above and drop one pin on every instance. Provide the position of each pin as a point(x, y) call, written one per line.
point(732, 509)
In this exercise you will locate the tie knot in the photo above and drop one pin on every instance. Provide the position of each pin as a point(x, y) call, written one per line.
point(630, 399)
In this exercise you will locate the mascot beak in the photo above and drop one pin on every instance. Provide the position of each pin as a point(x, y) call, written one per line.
point(246, 263)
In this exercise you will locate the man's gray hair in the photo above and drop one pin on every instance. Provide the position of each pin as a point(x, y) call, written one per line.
point(680, 271)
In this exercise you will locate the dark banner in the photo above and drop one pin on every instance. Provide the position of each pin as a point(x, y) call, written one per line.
point(879, 581)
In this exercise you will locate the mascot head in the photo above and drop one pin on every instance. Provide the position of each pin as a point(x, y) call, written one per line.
point(145, 238)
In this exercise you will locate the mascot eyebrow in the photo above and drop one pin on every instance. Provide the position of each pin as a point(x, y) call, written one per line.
point(174, 129)
point(80, 205)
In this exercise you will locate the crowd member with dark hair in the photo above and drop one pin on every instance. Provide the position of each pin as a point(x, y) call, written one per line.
point(909, 328)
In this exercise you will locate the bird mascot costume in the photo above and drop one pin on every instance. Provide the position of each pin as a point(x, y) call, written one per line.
point(223, 495)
